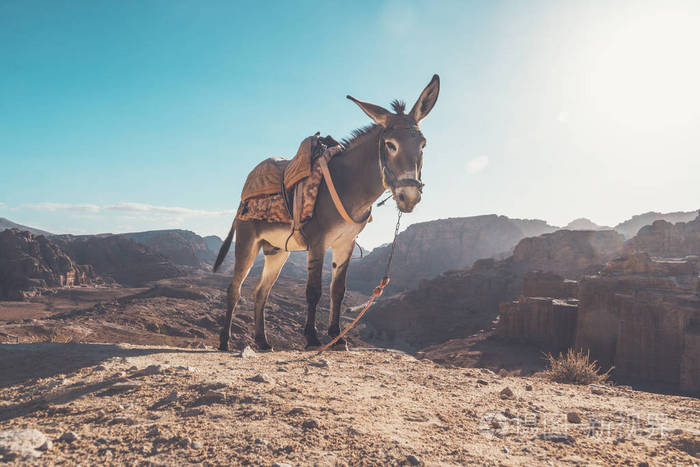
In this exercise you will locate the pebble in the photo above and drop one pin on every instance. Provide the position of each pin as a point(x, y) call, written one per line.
point(323, 363)
point(573, 417)
point(413, 460)
point(248, 352)
point(528, 387)
point(217, 396)
point(150, 370)
point(311, 424)
point(124, 387)
point(197, 445)
point(506, 393)
point(22, 444)
point(557, 437)
point(69, 436)
point(297, 411)
point(261, 378)
point(482, 382)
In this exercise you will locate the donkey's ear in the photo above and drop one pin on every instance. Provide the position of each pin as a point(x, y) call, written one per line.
point(427, 100)
point(379, 114)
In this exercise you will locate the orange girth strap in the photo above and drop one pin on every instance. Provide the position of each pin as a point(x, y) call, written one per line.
point(334, 194)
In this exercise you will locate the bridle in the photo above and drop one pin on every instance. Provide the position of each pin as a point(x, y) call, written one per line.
point(389, 179)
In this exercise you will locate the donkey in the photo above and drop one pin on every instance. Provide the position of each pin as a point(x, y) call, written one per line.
point(385, 155)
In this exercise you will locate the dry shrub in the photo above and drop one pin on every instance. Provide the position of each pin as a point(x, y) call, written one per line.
point(575, 368)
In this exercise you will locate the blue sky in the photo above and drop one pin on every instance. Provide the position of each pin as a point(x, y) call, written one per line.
point(125, 115)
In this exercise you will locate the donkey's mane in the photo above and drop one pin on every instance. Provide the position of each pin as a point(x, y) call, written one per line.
point(357, 136)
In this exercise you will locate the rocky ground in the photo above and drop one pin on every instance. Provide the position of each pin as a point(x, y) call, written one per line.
point(185, 312)
point(126, 404)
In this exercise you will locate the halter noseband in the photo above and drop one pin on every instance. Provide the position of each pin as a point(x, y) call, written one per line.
point(389, 179)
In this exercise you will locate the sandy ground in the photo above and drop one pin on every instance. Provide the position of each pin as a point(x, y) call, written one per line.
point(130, 404)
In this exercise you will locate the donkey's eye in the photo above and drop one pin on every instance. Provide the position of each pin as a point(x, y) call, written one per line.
point(391, 146)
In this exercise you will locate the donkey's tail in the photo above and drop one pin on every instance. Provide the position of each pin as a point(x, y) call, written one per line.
point(226, 245)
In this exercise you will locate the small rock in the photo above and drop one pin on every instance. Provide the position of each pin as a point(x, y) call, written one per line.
point(193, 412)
point(557, 437)
point(528, 387)
point(281, 464)
point(170, 398)
point(217, 396)
point(482, 382)
point(311, 424)
point(261, 378)
point(597, 391)
point(248, 352)
point(22, 444)
point(150, 370)
point(69, 436)
point(413, 460)
point(323, 363)
point(297, 411)
point(506, 393)
point(100, 368)
point(573, 417)
point(124, 387)
point(46, 446)
point(197, 445)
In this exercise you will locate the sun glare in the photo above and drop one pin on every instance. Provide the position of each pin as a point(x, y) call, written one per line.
point(647, 71)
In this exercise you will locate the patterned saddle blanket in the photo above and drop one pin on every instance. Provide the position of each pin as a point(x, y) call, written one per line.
point(263, 198)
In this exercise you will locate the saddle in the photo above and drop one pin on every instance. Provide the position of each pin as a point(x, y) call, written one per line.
point(283, 190)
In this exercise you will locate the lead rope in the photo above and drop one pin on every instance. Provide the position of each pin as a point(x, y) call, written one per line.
point(376, 293)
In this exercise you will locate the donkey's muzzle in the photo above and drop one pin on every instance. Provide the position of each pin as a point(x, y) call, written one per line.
point(407, 197)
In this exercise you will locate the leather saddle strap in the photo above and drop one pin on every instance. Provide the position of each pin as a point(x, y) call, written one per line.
point(334, 194)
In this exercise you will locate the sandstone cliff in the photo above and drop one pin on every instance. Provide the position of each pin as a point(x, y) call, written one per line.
point(641, 316)
point(30, 263)
point(182, 247)
point(459, 303)
point(8, 224)
point(122, 259)
point(630, 227)
point(569, 253)
point(584, 224)
point(666, 240)
point(426, 249)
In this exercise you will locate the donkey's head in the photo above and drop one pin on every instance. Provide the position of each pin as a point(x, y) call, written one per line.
point(401, 144)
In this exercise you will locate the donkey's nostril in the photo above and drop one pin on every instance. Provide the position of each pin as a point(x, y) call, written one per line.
point(401, 197)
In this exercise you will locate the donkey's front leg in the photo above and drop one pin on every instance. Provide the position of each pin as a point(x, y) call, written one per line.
point(341, 261)
point(314, 264)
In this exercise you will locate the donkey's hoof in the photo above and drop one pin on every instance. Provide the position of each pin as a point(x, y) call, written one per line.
point(342, 344)
point(312, 341)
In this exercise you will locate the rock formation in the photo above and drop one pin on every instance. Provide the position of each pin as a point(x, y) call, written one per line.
point(584, 224)
point(458, 303)
point(630, 227)
point(567, 252)
point(544, 315)
point(30, 263)
point(641, 315)
point(454, 304)
point(426, 249)
point(182, 247)
point(8, 224)
point(122, 259)
point(666, 240)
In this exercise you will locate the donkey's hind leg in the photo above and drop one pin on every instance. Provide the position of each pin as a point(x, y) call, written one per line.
point(247, 248)
point(273, 265)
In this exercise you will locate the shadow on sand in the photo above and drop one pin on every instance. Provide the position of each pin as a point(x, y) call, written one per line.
point(25, 363)
point(20, 363)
